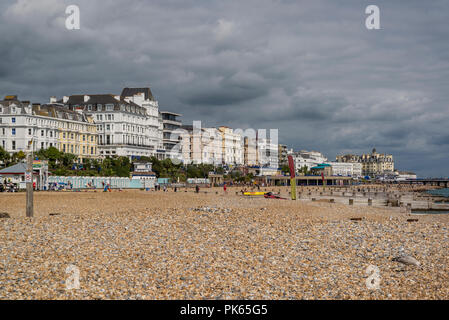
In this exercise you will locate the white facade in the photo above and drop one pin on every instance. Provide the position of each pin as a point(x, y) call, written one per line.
point(404, 175)
point(144, 98)
point(201, 146)
point(171, 134)
point(346, 169)
point(356, 169)
point(220, 146)
point(308, 159)
point(25, 127)
point(19, 127)
point(124, 127)
point(232, 146)
point(267, 153)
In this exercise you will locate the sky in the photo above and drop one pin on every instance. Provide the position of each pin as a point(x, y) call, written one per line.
point(310, 69)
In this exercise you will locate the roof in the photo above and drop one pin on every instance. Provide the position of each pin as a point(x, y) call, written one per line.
point(172, 113)
point(19, 168)
point(59, 112)
point(94, 98)
point(129, 92)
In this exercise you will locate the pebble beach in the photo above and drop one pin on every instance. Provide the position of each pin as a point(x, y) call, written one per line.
point(156, 245)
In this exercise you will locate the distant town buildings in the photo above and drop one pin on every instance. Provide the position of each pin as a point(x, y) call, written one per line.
point(373, 164)
point(123, 126)
point(308, 159)
point(232, 146)
point(346, 169)
point(171, 126)
point(283, 153)
point(131, 125)
point(31, 127)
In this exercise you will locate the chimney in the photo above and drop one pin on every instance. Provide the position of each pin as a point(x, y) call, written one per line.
point(86, 98)
point(65, 99)
point(53, 99)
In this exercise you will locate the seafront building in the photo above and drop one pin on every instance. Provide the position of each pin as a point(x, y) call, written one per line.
point(201, 145)
point(232, 146)
point(346, 169)
point(31, 127)
point(131, 125)
point(373, 164)
point(283, 153)
point(121, 125)
point(250, 157)
point(308, 159)
point(171, 137)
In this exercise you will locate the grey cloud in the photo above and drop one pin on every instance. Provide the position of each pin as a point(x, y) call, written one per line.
point(309, 68)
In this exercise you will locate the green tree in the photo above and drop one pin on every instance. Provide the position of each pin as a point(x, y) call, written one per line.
point(121, 167)
point(4, 156)
point(51, 154)
point(68, 159)
point(304, 170)
point(285, 169)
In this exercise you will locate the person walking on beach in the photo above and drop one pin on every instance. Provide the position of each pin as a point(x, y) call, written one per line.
point(197, 189)
point(225, 187)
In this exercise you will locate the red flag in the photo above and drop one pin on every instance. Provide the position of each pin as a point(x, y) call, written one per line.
point(291, 165)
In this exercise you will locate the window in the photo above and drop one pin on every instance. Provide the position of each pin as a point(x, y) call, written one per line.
point(91, 150)
point(1, 119)
point(3, 131)
point(84, 149)
point(29, 132)
point(84, 137)
point(63, 135)
point(13, 131)
point(13, 145)
point(42, 145)
point(13, 120)
point(71, 148)
point(63, 147)
point(42, 133)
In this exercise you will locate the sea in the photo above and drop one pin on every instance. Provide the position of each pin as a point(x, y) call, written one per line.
point(439, 192)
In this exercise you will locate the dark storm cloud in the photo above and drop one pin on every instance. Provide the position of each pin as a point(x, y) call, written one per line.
point(309, 68)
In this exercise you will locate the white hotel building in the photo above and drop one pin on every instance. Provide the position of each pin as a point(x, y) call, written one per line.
point(308, 159)
point(127, 125)
point(232, 146)
point(25, 127)
point(346, 169)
